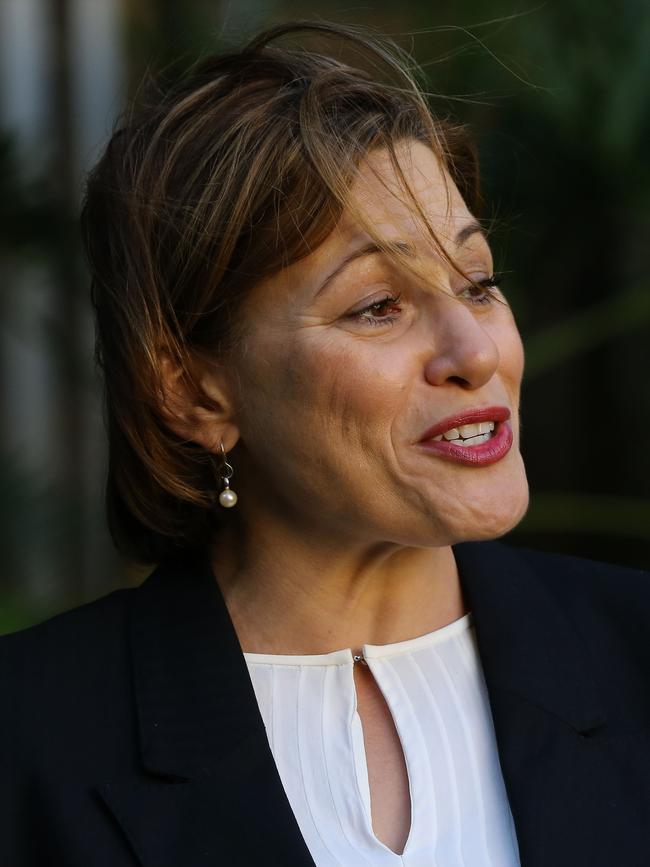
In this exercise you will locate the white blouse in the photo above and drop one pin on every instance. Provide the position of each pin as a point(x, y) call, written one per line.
point(435, 690)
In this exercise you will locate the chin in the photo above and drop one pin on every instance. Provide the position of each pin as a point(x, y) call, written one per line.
point(498, 523)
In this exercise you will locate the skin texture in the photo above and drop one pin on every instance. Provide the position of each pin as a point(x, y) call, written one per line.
point(342, 532)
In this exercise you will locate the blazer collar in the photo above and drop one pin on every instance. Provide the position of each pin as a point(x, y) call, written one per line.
point(212, 794)
point(194, 695)
point(202, 735)
point(526, 642)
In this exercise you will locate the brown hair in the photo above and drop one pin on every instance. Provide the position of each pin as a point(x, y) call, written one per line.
point(213, 183)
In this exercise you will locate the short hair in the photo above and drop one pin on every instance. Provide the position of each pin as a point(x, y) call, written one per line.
point(210, 184)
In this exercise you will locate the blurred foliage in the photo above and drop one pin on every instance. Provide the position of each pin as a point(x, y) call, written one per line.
point(29, 219)
point(586, 328)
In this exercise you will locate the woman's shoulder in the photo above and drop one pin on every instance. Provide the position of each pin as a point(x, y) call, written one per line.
point(569, 620)
point(608, 605)
point(68, 652)
point(92, 618)
point(66, 697)
point(587, 579)
point(565, 575)
point(588, 588)
point(573, 562)
point(84, 653)
point(605, 603)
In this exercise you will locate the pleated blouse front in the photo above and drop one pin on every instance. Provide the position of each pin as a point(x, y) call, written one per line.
point(435, 690)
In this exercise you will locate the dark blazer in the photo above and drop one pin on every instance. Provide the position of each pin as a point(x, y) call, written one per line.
point(130, 733)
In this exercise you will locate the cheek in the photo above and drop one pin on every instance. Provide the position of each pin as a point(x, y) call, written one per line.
point(348, 387)
point(333, 391)
point(320, 418)
point(511, 351)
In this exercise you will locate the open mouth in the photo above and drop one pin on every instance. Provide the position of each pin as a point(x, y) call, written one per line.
point(477, 444)
point(476, 437)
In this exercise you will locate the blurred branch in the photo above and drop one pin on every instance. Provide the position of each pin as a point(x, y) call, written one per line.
point(600, 64)
point(585, 329)
point(16, 613)
point(595, 514)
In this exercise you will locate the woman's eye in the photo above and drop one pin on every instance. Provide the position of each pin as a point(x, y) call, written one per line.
point(488, 284)
point(372, 314)
point(378, 313)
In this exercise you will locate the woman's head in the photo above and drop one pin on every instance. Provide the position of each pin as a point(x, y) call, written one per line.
point(218, 210)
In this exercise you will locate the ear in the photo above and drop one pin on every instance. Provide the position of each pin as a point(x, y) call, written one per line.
point(206, 418)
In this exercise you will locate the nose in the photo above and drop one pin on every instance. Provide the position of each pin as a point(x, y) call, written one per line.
point(463, 350)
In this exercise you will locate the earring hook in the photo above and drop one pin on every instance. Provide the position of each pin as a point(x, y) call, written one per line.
point(227, 497)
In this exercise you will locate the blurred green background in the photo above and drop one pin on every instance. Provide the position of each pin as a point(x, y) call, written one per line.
point(558, 98)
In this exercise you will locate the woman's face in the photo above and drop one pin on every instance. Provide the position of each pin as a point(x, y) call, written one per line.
point(335, 397)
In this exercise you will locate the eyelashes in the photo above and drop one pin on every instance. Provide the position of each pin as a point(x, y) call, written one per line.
point(488, 283)
point(368, 315)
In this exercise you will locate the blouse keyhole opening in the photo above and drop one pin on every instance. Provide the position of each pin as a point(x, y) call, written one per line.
point(388, 780)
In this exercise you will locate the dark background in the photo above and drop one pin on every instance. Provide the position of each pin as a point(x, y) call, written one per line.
point(558, 98)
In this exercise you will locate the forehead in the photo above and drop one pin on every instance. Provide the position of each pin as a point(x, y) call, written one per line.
point(379, 194)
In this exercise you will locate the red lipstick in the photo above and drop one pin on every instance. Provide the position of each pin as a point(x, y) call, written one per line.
point(489, 452)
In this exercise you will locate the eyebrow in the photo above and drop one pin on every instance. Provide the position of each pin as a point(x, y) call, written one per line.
point(371, 248)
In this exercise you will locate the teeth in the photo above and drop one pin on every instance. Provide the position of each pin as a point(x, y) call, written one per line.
point(466, 431)
point(472, 430)
point(468, 434)
point(473, 441)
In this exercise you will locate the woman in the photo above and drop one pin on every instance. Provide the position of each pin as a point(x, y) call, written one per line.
point(312, 391)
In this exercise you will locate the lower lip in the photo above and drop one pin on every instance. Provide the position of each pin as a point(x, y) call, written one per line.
point(489, 452)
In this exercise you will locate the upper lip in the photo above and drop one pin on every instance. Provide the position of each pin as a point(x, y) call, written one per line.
point(470, 416)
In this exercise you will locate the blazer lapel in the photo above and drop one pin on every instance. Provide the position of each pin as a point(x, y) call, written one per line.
point(545, 705)
point(211, 793)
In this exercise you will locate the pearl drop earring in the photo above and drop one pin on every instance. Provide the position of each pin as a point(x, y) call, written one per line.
point(227, 498)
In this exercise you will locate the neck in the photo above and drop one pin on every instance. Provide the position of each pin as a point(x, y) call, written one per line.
point(294, 596)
